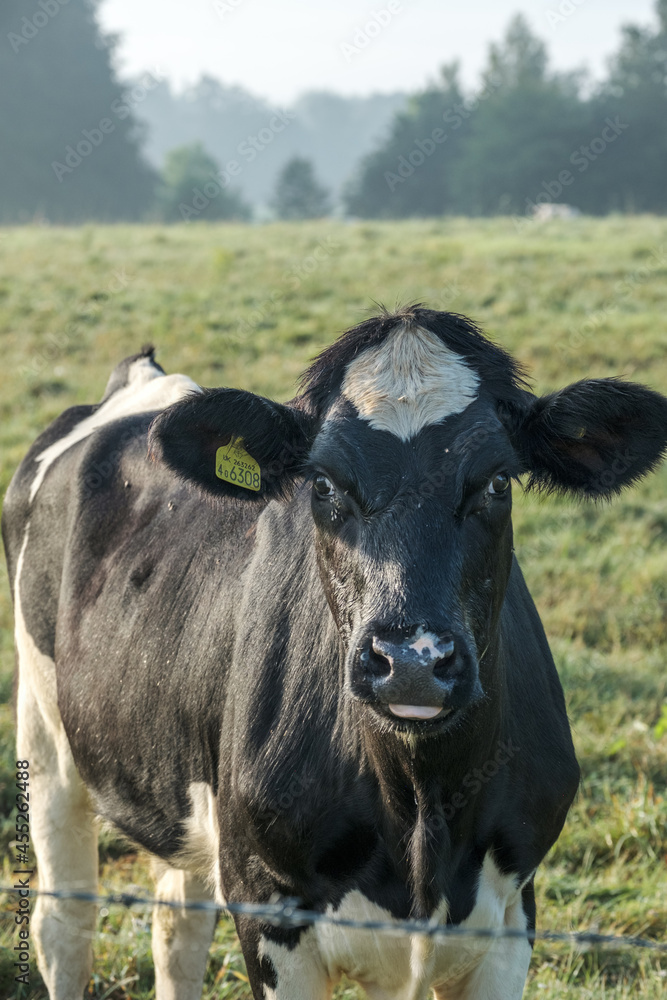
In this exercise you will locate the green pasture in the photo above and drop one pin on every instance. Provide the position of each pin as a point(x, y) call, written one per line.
point(248, 306)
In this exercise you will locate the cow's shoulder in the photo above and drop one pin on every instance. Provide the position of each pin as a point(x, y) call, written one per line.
point(542, 762)
point(16, 504)
point(138, 385)
point(55, 480)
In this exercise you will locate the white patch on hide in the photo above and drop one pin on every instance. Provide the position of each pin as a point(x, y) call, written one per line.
point(427, 642)
point(200, 853)
point(148, 389)
point(409, 381)
point(63, 831)
point(299, 971)
point(397, 967)
point(491, 969)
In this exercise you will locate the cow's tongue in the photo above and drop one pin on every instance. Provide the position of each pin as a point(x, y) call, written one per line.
point(415, 711)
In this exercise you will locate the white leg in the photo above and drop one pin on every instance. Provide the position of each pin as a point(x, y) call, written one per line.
point(63, 830)
point(280, 973)
point(181, 938)
point(501, 974)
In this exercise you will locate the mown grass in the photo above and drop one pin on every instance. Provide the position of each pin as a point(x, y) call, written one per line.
point(247, 306)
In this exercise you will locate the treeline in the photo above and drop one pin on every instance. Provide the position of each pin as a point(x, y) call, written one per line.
point(528, 136)
point(333, 131)
point(70, 146)
point(76, 144)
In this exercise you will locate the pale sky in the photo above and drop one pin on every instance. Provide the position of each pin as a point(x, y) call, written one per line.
point(278, 49)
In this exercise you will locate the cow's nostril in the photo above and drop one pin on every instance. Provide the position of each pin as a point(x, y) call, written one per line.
point(447, 649)
point(443, 667)
point(376, 662)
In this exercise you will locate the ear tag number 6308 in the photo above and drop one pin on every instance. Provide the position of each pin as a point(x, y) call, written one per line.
point(235, 465)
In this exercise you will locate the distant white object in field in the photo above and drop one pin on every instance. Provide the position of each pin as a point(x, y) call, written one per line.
point(547, 211)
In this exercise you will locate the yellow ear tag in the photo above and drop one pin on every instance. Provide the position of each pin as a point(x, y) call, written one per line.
point(235, 465)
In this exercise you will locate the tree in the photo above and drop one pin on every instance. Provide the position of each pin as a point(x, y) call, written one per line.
point(297, 194)
point(631, 177)
point(523, 134)
point(411, 172)
point(520, 60)
point(71, 142)
point(528, 136)
point(193, 187)
point(661, 11)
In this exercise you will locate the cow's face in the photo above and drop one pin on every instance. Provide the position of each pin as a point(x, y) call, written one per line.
point(411, 497)
point(414, 542)
point(407, 438)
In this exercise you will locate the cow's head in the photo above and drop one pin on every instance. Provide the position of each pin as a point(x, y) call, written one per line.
point(409, 431)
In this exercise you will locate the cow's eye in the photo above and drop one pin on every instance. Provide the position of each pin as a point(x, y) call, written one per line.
point(499, 484)
point(323, 487)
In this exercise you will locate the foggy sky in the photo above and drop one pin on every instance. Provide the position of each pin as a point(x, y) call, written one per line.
point(280, 48)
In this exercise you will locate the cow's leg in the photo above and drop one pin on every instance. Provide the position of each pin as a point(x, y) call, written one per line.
point(280, 972)
point(501, 974)
point(63, 830)
point(181, 938)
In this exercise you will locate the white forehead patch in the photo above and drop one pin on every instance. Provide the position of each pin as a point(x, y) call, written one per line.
point(408, 382)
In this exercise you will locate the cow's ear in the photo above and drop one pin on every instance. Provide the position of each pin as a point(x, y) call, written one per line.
point(233, 443)
point(592, 438)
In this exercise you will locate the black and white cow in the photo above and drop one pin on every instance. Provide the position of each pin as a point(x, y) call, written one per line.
point(317, 673)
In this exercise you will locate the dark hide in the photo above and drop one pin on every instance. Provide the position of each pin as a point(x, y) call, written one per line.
point(593, 438)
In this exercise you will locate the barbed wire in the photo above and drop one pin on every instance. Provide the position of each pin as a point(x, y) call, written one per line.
point(287, 912)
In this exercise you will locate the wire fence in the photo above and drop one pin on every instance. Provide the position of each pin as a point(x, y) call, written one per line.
point(288, 913)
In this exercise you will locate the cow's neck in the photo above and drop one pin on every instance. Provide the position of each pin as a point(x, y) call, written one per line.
point(419, 780)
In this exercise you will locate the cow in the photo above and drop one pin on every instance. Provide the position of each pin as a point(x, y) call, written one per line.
point(288, 649)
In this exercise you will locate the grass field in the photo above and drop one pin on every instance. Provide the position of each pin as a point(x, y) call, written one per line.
point(247, 306)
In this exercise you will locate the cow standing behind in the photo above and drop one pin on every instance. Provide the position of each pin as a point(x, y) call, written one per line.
point(329, 682)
